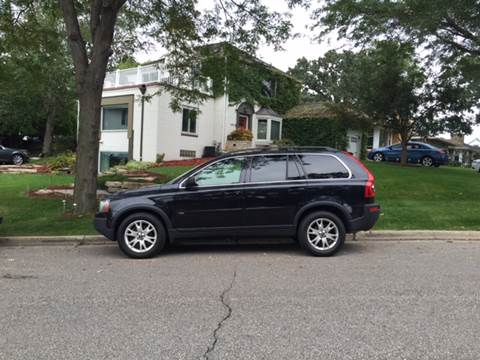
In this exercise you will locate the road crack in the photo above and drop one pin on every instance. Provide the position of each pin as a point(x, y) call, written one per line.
point(211, 347)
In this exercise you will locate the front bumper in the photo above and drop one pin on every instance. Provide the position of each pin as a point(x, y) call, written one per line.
point(104, 226)
point(370, 216)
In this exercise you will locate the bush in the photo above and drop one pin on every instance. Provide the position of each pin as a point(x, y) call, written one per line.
point(62, 162)
point(315, 132)
point(241, 135)
point(160, 158)
point(133, 166)
point(284, 142)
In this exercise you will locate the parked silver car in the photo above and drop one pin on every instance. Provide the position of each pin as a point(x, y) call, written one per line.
point(476, 165)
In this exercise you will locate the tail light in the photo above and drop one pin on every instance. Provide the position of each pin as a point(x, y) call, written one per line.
point(370, 184)
point(104, 206)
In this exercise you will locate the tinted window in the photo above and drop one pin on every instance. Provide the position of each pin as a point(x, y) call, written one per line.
point(293, 170)
point(397, 147)
point(268, 168)
point(224, 172)
point(323, 167)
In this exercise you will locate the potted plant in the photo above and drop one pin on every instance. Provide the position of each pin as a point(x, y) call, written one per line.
point(239, 139)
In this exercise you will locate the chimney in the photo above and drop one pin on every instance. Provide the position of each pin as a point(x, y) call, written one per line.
point(458, 139)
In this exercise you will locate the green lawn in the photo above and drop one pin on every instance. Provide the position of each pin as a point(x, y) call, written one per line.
point(411, 198)
point(24, 215)
point(427, 198)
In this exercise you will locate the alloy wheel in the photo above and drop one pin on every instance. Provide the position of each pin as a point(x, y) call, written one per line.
point(17, 159)
point(378, 157)
point(140, 236)
point(427, 161)
point(322, 234)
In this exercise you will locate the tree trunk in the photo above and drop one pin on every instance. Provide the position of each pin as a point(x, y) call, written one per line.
point(48, 135)
point(86, 167)
point(404, 157)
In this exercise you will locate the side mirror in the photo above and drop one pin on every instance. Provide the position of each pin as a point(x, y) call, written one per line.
point(191, 183)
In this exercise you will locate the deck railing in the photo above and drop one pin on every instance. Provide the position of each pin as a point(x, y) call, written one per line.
point(155, 73)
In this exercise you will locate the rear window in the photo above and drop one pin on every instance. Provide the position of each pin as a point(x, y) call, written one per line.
point(323, 167)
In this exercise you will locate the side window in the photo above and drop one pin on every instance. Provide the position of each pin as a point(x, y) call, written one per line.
point(228, 171)
point(397, 147)
point(293, 170)
point(268, 168)
point(323, 167)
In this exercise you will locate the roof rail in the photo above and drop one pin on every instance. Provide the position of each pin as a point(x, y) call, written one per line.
point(282, 148)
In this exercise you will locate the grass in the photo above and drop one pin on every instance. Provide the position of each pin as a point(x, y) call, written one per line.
point(24, 215)
point(446, 198)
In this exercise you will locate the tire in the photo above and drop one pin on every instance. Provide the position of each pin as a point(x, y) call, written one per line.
point(18, 159)
point(378, 157)
point(427, 161)
point(141, 235)
point(310, 233)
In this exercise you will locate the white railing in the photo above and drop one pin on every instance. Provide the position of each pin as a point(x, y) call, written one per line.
point(155, 73)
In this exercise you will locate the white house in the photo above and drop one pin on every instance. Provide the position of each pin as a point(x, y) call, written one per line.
point(177, 135)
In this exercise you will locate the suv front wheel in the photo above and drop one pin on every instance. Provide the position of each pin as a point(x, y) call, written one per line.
point(321, 233)
point(141, 235)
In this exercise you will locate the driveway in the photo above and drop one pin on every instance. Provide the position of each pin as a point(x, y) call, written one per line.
point(375, 300)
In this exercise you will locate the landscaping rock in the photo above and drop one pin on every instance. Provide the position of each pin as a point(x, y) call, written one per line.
point(131, 185)
point(43, 192)
point(113, 184)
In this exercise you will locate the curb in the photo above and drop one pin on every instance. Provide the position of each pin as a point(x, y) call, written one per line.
point(418, 235)
point(381, 235)
point(54, 240)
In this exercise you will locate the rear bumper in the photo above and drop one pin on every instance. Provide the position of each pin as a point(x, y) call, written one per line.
point(368, 220)
point(103, 226)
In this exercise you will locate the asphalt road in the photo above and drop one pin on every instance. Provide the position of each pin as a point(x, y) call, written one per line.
point(375, 300)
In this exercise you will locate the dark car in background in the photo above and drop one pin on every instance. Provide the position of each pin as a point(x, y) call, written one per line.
point(418, 153)
point(13, 156)
point(314, 195)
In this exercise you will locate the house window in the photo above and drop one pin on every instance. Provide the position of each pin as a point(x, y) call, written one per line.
point(115, 117)
point(111, 159)
point(262, 129)
point(189, 121)
point(275, 130)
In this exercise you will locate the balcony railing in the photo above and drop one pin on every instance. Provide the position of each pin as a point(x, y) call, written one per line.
point(155, 73)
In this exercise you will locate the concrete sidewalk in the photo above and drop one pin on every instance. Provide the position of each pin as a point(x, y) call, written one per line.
point(380, 235)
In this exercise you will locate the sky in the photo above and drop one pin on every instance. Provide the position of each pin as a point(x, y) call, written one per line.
point(302, 46)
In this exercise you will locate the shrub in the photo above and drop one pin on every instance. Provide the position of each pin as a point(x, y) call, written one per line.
point(315, 132)
point(62, 162)
point(241, 135)
point(133, 166)
point(284, 142)
point(160, 158)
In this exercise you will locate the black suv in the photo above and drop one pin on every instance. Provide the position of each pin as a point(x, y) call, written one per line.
point(313, 195)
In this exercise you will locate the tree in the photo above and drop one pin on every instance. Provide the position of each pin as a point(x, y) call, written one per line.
point(35, 73)
point(387, 84)
point(98, 29)
point(446, 27)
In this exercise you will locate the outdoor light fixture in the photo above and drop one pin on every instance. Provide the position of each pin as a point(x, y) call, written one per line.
point(143, 90)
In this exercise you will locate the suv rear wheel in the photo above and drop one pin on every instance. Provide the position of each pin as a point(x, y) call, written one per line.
point(321, 233)
point(141, 235)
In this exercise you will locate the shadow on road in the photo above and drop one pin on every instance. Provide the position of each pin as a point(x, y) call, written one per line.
point(205, 248)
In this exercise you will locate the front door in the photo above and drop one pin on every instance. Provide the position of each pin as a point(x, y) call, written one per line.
point(242, 122)
point(216, 202)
